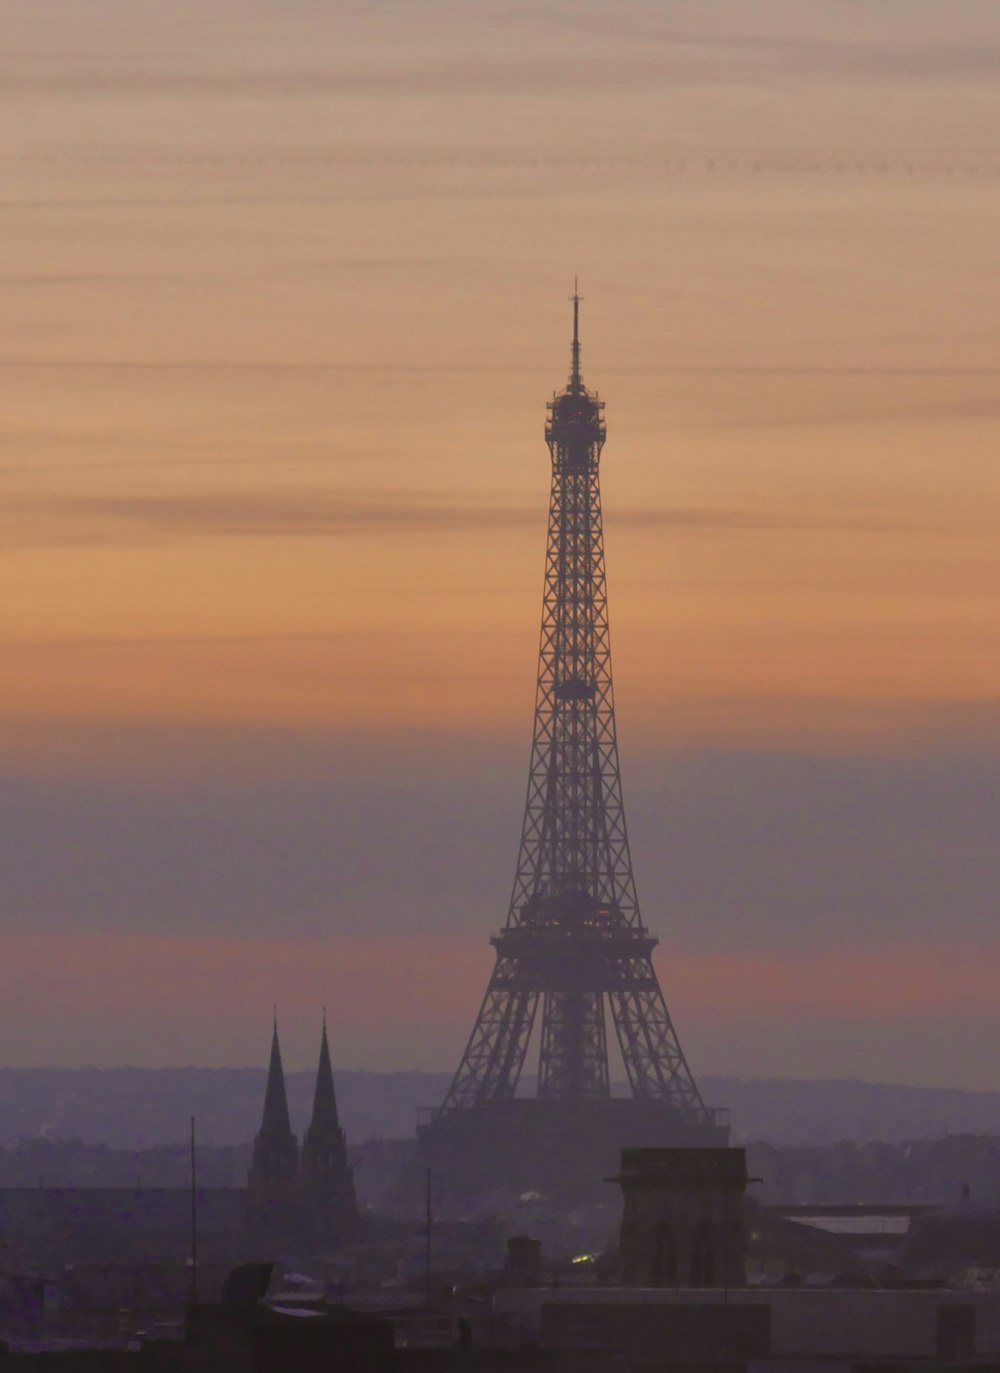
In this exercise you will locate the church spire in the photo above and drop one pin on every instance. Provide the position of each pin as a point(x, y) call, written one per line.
point(325, 1118)
point(275, 1149)
point(275, 1121)
point(325, 1175)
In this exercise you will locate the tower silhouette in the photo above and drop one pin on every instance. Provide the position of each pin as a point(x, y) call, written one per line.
point(273, 1169)
point(329, 1203)
point(305, 1194)
point(574, 947)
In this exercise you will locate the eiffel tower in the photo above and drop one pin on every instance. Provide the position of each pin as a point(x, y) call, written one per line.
point(574, 952)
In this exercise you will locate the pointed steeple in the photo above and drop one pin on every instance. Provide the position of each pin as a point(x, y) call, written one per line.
point(325, 1175)
point(325, 1119)
point(275, 1149)
point(275, 1120)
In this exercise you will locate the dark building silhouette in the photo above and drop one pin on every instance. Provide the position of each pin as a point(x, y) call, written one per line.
point(574, 959)
point(308, 1192)
point(683, 1221)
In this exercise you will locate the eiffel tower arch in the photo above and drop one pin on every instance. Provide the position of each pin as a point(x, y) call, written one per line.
point(574, 957)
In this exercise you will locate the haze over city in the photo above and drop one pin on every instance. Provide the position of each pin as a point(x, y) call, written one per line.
point(285, 292)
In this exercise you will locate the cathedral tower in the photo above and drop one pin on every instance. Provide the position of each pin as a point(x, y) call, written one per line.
point(272, 1179)
point(326, 1184)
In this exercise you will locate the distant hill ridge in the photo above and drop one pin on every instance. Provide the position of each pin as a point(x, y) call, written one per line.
point(136, 1108)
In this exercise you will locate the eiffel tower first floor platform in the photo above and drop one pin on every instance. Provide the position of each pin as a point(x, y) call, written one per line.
point(561, 1149)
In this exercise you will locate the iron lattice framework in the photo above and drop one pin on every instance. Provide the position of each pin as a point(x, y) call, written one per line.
point(574, 939)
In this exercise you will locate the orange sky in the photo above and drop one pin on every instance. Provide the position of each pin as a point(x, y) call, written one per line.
point(284, 292)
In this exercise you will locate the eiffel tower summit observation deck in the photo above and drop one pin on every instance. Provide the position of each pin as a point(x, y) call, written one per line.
point(574, 955)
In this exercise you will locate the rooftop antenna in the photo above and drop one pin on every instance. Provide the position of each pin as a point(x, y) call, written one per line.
point(575, 382)
point(428, 1227)
point(194, 1221)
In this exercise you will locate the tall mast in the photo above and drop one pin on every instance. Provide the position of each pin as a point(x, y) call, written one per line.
point(575, 380)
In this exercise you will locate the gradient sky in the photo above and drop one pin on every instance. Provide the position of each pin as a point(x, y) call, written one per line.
point(284, 293)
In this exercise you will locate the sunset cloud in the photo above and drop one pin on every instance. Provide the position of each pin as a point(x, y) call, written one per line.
point(303, 512)
point(175, 1000)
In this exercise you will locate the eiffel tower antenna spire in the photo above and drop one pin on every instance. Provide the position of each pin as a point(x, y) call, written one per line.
point(575, 380)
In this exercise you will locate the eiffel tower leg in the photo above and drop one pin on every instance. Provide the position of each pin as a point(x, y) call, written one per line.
point(573, 1061)
point(494, 1056)
point(654, 1060)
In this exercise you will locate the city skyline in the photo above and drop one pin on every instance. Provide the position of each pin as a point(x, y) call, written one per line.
point(285, 297)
